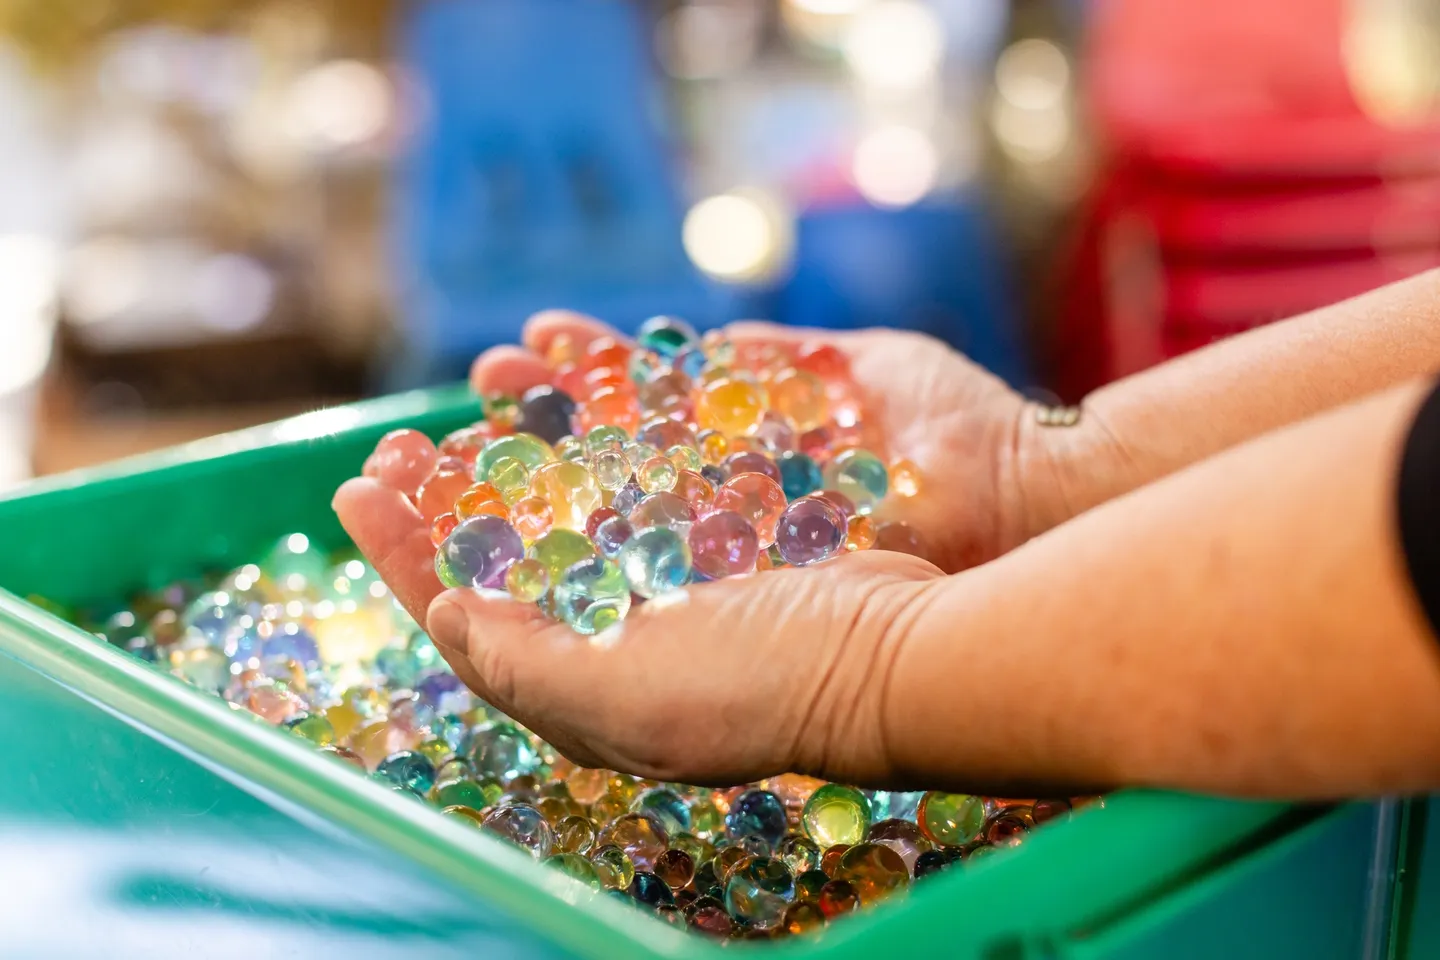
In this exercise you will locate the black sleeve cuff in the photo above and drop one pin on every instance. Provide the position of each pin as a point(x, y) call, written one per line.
point(1419, 506)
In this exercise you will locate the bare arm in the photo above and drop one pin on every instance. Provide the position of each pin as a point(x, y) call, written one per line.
point(1245, 626)
point(1153, 423)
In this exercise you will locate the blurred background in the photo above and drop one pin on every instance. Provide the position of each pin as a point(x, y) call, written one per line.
point(214, 214)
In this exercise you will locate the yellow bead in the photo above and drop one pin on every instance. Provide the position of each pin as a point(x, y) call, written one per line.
point(714, 448)
point(571, 490)
point(527, 580)
point(732, 406)
point(685, 458)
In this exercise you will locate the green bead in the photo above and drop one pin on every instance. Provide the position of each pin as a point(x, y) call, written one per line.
point(576, 866)
point(592, 595)
point(835, 814)
point(560, 550)
point(465, 793)
point(525, 447)
point(613, 866)
point(605, 438)
point(313, 727)
point(950, 818)
point(507, 474)
point(443, 573)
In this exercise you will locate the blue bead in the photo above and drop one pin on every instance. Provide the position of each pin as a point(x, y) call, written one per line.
point(655, 561)
point(800, 475)
point(759, 812)
point(650, 889)
point(407, 769)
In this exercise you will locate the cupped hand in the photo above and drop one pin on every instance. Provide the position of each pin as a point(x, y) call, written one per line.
point(730, 681)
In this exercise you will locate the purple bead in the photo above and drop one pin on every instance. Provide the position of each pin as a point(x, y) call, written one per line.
point(724, 544)
point(714, 474)
point(290, 641)
point(662, 433)
point(738, 463)
point(481, 549)
point(627, 497)
point(810, 530)
point(545, 412)
point(439, 691)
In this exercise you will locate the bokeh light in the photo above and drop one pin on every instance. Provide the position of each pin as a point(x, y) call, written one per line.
point(894, 44)
point(741, 236)
point(342, 103)
point(895, 166)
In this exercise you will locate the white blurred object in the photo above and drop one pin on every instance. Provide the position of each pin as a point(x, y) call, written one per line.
point(743, 235)
point(895, 166)
point(232, 292)
point(342, 103)
point(1031, 111)
point(894, 44)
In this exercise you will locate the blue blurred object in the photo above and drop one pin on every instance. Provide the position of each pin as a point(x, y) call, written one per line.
point(537, 178)
point(936, 267)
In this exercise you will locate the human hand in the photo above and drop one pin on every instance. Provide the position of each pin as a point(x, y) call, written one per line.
point(803, 653)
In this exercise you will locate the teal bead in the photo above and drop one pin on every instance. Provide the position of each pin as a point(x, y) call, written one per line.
point(666, 336)
point(665, 805)
point(655, 561)
point(759, 891)
point(800, 475)
point(859, 475)
point(502, 751)
point(592, 595)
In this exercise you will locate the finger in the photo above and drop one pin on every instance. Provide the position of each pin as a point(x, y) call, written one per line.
point(389, 530)
point(545, 327)
point(509, 370)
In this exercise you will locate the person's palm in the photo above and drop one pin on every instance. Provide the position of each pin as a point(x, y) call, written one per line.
point(833, 626)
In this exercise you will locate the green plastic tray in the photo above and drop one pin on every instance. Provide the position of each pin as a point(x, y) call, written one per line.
point(271, 839)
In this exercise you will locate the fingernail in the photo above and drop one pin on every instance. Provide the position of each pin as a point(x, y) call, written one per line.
point(449, 627)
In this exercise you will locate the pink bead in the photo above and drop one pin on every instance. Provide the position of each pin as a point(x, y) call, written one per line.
point(402, 461)
point(755, 497)
point(723, 545)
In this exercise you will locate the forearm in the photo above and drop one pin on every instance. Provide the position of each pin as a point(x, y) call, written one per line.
point(1245, 626)
point(1153, 423)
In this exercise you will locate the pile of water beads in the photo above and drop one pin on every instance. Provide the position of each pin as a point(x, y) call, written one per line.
point(641, 469)
point(316, 645)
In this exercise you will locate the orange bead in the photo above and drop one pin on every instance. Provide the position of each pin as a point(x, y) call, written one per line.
point(443, 526)
point(570, 379)
point(904, 478)
point(823, 360)
point(472, 501)
point(859, 534)
point(439, 492)
point(532, 518)
point(714, 447)
point(696, 490)
point(563, 349)
point(605, 352)
point(604, 377)
point(610, 406)
point(800, 396)
point(755, 497)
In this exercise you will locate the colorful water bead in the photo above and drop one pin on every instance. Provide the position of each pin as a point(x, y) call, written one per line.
point(481, 550)
point(613, 866)
point(755, 497)
point(591, 595)
point(656, 475)
point(859, 534)
point(545, 412)
point(510, 477)
point(723, 544)
point(529, 449)
point(859, 475)
point(439, 491)
point(655, 561)
point(803, 916)
point(675, 867)
point(757, 812)
point(666, 336)
point(800, 475)
point(571, 490)
point(902, 836)
point(522, 825)
point(874, 870)
point(904, 478)
point(950, 818)
point(809, 531)
point(758, 891)
point(481, 499)
point(837, 898)
point(663, 509)
point(611, 468)
point(561, 549)
point(640, 836)
point(502, 751)
point(402, 460)
point(731, 405)
point(799, 396)
point(527, 580)
point(836, 814)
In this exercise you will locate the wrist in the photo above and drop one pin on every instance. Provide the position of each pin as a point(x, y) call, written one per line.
point(1064, 461)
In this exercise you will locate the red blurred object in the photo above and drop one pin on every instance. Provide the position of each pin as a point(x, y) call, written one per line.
point(1243, 183)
